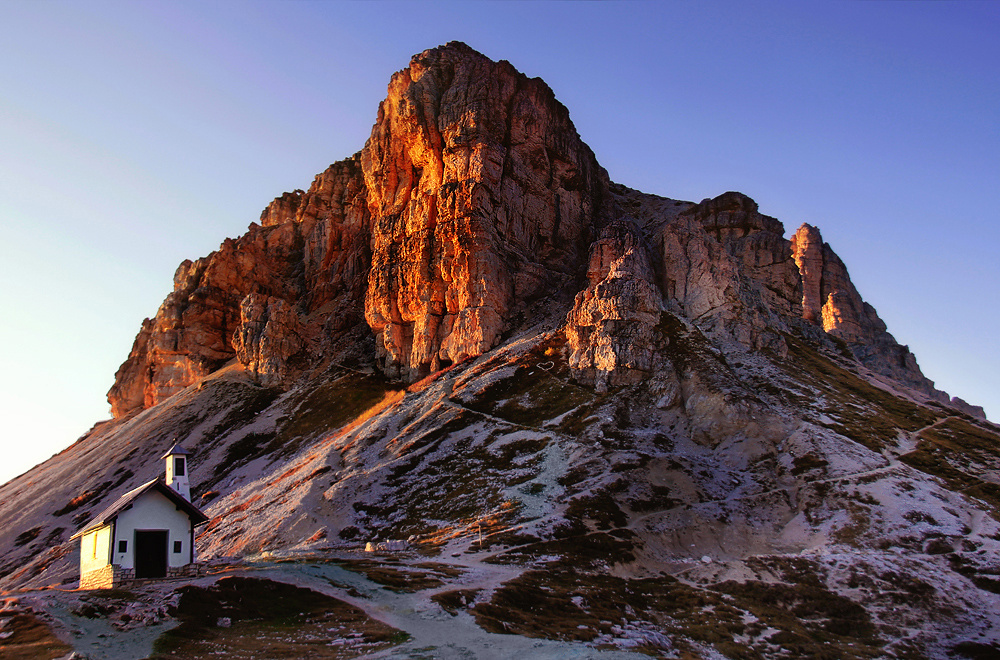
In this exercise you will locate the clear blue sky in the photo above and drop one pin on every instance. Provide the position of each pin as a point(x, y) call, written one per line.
point(134, 135)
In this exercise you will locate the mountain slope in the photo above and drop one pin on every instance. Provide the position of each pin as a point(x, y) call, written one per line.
point(656, 411)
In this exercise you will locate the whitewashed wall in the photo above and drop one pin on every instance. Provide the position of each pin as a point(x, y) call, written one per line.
point(94, 549)
point(153, 511)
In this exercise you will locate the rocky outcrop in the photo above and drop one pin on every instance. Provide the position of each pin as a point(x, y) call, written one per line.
point(269, 335)
point(727, 267)
point(483, 196)
point(830, 300)
point(611, 330)
point(964, 406)
point(807, 249)
point(278, 290)
point(283, 209)
point(470, 199)
point(185, 341)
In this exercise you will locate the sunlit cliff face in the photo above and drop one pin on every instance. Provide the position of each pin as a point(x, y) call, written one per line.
point(481, 194)
point(472, 199)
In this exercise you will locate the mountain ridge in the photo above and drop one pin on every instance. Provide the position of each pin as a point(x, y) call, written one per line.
point(409, 172)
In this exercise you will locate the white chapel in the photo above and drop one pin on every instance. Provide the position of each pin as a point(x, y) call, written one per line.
point(147, 533)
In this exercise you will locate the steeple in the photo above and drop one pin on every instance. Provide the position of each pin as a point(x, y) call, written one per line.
point(177, 470)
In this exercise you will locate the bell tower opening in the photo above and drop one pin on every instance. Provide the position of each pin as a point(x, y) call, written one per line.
point(177, 473)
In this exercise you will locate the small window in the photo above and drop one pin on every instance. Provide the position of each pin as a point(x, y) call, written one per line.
point(178, 466)
point(177, 547)
point(122, 546)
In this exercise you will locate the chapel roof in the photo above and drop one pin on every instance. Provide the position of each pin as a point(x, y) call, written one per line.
point(104, 517)
point(177, 449)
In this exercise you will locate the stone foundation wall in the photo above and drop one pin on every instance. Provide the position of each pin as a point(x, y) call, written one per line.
point(191, 570)
point(102, 578)
point(111, 576)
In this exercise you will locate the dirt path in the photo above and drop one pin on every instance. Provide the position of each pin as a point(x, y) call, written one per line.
point(433, 632)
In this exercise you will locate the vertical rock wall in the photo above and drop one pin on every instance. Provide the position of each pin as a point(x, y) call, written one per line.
point(482, 195)
point(729, 269)
point(831, 301)
point(280, 290)
point(611, 328)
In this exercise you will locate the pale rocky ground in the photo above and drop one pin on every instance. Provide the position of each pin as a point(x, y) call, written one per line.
point(864, 524)
point(678, 432)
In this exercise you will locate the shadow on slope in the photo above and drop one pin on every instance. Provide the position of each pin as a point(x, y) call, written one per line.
point(244, 618)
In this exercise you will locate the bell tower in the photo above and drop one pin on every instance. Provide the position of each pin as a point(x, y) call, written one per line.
point(177, 471)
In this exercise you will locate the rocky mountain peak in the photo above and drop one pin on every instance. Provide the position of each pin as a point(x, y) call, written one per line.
point(473, 198)
point(483, 197)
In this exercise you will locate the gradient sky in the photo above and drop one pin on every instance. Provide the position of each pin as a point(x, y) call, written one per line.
point(134, 135)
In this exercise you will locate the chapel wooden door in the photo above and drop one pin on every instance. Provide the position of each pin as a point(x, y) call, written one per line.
point(150, 553)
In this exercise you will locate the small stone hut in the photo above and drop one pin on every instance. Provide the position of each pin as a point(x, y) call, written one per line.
point(148, 533)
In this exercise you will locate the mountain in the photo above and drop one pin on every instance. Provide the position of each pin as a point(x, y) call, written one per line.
point(613, 419)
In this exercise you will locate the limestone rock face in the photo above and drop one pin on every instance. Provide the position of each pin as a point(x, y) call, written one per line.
point(133, 377)
point(185, 341)
point(830, 300)
point(611, 328)
point(482, 196)
point(287, 287)
point(268, 335)
point(728, 268)
point(283, 209)
point(967, 408)
point(473, 200)
point(807, 248)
